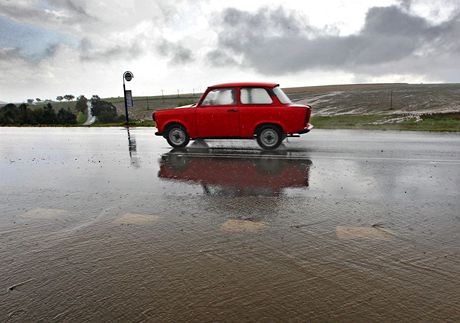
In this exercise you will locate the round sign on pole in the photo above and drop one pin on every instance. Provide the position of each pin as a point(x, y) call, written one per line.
point(128, 76)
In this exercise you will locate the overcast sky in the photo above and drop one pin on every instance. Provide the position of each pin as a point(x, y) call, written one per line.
point(50, 48)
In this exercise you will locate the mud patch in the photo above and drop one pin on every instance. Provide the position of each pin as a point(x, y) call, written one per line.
point(345, 232)
point(234, 225)
point(135, 218)
point(43, 214)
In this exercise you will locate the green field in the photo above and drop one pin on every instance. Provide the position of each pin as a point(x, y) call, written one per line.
point(433, 122)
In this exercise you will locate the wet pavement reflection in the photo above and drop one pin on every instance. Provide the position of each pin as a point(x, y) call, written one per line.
point(231, 173)
point(132, 148)
point(113, 225)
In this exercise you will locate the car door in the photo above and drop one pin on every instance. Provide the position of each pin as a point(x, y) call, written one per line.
point(257, 106)
point(218, 114)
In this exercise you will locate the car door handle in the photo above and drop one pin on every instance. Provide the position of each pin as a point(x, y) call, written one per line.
point(232, 110)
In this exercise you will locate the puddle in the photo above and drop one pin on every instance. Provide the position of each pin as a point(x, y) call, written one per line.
point(344, 232)
point(219, 234)
point(242, 226)
point(41, 213)
point(135, 218)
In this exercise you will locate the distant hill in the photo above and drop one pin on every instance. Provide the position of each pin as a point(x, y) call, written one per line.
point(390, 98)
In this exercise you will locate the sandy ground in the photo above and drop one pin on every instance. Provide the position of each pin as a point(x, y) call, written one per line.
point(334, 226)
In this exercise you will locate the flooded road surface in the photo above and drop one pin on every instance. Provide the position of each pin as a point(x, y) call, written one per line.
point(101, 225)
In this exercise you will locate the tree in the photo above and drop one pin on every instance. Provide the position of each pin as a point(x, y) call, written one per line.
point(69, 97)
point(60, 98)
point(36, 116)
point(23, 114)
point(95, 97)
point(30, 101)
point(8, 114)
point(38, 99)
point(81, 104)
point(11, 114)
point(66, 117)
point(49, 115)
point(104, 111)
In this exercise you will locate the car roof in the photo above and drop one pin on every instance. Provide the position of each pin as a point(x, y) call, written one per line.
point(242, 84)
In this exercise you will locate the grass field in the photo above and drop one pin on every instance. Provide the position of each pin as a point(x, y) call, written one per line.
point(428, 122)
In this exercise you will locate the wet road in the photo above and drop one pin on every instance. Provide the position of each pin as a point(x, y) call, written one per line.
point(333, 226)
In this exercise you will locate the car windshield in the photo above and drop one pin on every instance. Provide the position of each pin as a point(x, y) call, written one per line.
point(281, 95)
point(220, 97)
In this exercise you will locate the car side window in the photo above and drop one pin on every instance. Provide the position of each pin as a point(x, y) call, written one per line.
point(255, 95)
point(220, 97)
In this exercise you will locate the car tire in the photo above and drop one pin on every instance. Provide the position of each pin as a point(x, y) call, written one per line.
point(269, 137)
point(177, 136)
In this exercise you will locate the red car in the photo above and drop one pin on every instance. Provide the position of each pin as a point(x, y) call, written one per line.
point(236, 110)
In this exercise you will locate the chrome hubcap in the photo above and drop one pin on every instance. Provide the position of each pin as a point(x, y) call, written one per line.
point(177, 136)
point(269, 137)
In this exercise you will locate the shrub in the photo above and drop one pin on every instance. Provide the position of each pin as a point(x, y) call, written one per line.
point(66, 117)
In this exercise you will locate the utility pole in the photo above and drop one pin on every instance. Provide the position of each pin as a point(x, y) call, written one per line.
point(162, 96)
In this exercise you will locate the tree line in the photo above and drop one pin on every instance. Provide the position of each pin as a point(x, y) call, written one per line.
point(12, 114)
point(68, 97)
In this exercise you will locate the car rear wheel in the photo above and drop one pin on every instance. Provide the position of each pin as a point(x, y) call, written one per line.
point(177, 136)
point(269, 137)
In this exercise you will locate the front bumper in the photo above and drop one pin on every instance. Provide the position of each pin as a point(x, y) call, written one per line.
point(158, 133)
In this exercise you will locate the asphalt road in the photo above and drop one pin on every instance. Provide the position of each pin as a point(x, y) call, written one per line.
point(106, 225)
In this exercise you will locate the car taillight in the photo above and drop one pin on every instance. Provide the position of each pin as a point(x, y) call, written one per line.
point(307, 115)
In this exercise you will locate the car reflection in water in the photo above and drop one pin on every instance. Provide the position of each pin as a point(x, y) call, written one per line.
point(236, 173)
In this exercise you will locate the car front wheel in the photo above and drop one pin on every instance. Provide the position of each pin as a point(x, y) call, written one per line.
point(177, 136)
point(269, 137)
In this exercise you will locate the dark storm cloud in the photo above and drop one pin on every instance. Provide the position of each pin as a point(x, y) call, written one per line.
point(176, 53)
point(220, 58)
point(91, 52)
point(9, 54)
point(78, 10)
point(280, 20)
point(278, 41)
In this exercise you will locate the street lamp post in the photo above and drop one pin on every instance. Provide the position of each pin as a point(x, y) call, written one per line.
point(128, 76)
